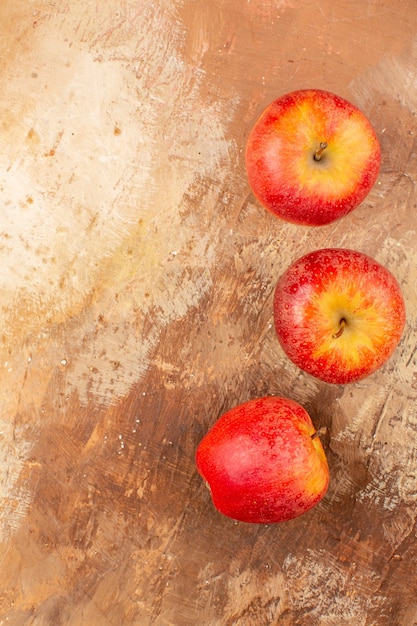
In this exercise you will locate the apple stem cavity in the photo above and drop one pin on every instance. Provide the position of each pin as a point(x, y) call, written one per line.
point(319, 152)
point(341, 329)
point(319, 433)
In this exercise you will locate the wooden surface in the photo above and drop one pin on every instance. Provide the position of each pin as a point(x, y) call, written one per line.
point(136, 306)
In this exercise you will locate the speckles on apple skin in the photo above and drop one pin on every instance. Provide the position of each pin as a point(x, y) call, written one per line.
point(333, 284)
point(280, 163)
point(261, 463)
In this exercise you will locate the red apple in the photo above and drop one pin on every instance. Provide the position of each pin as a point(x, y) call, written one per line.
point(312, 157)
point(264, 462)
point(338, 314)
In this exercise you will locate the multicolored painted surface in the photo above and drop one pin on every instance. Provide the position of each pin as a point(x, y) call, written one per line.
point(137, 278)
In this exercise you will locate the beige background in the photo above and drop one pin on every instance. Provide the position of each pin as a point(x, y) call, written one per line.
point(137, 277)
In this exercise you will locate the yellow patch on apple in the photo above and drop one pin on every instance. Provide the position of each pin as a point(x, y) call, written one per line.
point(353, 328)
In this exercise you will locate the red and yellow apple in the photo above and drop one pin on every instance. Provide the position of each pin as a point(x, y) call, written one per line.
point(338, 314)
point(263, 461)
point(312, 157)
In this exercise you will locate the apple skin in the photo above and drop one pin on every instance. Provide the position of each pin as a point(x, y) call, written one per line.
point(280, 164)
point(321, 289)
point(262, 464)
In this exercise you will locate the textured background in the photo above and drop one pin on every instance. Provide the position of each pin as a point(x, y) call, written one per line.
point(137, 276)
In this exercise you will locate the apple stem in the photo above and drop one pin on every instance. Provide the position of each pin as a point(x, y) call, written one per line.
point(319, 152)
point(321, 431)
point(341, 329)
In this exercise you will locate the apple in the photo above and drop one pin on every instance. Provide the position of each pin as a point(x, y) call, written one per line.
point(312, 157)
point(338, 314)
point(263, 461)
